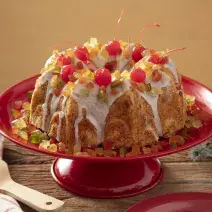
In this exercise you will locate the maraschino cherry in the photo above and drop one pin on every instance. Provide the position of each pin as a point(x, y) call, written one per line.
point(67, 73)
point(138, 75)
point(64, 60)
point(157, 59)
point(137, 53)
point(102, 77)
point(81, 53)
point(113, 48)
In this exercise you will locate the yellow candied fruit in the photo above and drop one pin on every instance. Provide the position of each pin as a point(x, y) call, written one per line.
point(109, 153)
point(26, 106)
point(93, 52)
point(52, 148)
point(69, 52)
point(94, 41)
point(70, 84)
point(55, 52)
point(156, 91)
point(123, 44)
point(90, 85)
point(104, 53)
point(148, 71)
point(44, 144)
point(82, 80)
point(146, 150)
point(125, 74)
point(126, 53)
point(190, 100)
point(156, 67)
point(54, 81)
point(86, 72)
point(77, 148)
point(77, 75)
point(67, 90)
point(23, 135)
point(91, 75)
point(15, 113)
point(141, 87)
point(19, 123)
point(116, 74)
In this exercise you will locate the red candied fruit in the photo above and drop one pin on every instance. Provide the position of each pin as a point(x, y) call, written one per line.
point(156, 75)
point(67, 73)
point(156, 59)
point(81, 53)
point(102, 77)
point(138, 75)
point(113, 48)
point(64, 60)
point(111, 65)
point(108, 145)
point(18, 105)
point(137, 53)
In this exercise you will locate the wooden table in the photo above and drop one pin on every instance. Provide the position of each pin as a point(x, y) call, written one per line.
point(33, 170)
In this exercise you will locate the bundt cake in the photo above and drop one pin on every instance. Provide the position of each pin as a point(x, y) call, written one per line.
point(119, 92)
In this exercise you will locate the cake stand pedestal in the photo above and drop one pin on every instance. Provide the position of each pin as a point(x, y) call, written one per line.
point(107, 179)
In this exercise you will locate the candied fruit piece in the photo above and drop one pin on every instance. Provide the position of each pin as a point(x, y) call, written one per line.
point(126, 53)
point(99, 151)
point(44, 144)
point(26, 106)
point(197, 124)
point(190, 100)
point(156, 91)
point(109, 153)
point(52, 148)
point(82, 80)
point(114, 91)
point(15, 113)
point(77, 148)
point(29, 94)
point(91, 152)
point(141, 87)
point(123, 43)
point(15, 130)
point(117, 74)
point(125, 74)
point(37, 136)
point(18, 105)
point(70, 52)
point(154, 148)
point(23, 134)
point(122, 151)
point(146, 150)
point(54, 81)
point(61, 147)
point(116, 83)
point(179, 140)
point(57, 92)
point(136, 149)
point(104, 53)
point(19, 123)
point(90, 85)
point(93, 53)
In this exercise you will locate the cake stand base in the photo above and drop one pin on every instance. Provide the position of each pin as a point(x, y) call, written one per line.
point(105, 179)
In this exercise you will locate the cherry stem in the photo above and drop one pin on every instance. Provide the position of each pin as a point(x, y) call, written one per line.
point(117, 30)
point(61, 43)
point(173, 50)
point(147, 27)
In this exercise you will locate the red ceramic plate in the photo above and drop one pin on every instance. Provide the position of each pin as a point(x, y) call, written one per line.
point(178, 202)
point(19, 91)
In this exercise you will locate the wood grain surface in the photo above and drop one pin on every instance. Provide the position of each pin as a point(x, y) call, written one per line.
point(33, 170)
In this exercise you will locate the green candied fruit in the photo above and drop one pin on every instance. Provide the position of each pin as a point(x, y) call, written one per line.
point(29, 94)
point(19, 124)
point(37, 136)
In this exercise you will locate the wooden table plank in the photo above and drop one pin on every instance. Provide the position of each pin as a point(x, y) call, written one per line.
point(33, 170)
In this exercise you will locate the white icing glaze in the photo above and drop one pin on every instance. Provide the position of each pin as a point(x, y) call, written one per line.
point(170, 65)
point(96, 111)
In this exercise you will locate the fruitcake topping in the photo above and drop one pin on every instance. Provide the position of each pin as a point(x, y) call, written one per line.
point(102, 77)
point(113, 48)
point(67, 73)
point(138, 75)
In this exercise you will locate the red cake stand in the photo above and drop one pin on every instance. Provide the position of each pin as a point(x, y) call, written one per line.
point(106, 177)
